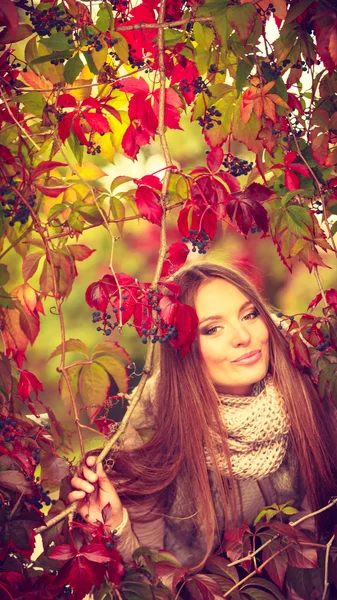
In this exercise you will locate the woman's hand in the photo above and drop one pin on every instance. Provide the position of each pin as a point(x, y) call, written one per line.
point(101, 491)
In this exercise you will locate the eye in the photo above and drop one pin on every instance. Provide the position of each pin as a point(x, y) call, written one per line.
point(252, 315)
point(211, 330)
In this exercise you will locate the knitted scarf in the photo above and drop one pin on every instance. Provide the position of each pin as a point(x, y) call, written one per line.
point(257, 427)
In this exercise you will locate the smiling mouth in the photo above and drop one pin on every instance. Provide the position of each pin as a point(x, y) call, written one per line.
point(250, 357)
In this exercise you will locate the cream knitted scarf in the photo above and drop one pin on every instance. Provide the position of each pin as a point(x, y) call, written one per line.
point(257, 427)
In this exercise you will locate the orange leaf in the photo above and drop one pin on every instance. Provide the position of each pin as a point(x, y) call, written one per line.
point(278, 100)
point(269, 108)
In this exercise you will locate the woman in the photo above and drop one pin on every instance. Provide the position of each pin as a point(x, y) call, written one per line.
point(234, 425)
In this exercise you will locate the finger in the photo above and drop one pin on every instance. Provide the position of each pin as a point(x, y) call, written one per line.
point(75, 496)
point(100, 471)
point(82, 484)
point(89, 475)
point(91, 460)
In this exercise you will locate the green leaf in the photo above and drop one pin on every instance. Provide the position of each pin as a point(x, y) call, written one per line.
point(76, 148)
point(334, 228)
point(172, 37)
point(33, 102)
point(118, 212)
point(56, 210)
point(94, 384)
point(72, 345)
point(75, 222)
point(296, 10)
point(121, 47)
point(119, 181)
point(264, 585)
point(4, 275)
point(104, 18)
point(333, 209)
point(5, 299)
point(117, 371)
point(203, 35)
point(57, 41)
point(242, 18)
point(73, 68)
point(112, 348)
point(49, 57)
point(90, 62)
point(91, 214)
point(242, 73)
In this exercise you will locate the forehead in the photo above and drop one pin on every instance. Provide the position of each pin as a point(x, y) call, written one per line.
point(218, 295)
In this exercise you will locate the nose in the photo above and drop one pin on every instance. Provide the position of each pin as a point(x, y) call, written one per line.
point(240, 335)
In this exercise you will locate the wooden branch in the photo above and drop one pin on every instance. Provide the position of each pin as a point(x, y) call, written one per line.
point(133, 401)
point(161, 24)
point(326, 566)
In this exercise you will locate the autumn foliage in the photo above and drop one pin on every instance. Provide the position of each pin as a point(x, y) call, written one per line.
point(79, 80)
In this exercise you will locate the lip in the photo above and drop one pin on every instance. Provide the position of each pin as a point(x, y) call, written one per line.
point(249, 358)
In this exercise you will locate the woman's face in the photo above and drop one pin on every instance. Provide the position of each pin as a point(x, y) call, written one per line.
point(233, 337)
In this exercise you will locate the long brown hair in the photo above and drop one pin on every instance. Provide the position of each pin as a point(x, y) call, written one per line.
point(187, 411)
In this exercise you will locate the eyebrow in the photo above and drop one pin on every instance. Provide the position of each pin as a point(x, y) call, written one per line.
point(216, 317)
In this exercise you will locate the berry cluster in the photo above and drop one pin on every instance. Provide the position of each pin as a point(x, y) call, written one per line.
point(211, 117)
point(15, 442)
point(317, 206)
point(266, 13)
point(199, 240)
point(255, 229)
point(13, 207)
point(321, 347)
point(104, 318)
point(93, 148)
point(41, 497)
point(237, 166)
point(197, 86)
point(272, 70)
point(213, 69)
point(45, 20)
point(168, 332)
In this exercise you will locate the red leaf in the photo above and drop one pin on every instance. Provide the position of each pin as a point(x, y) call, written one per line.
point(177, 255)
point(64, 126)
point(30, 265)
point(148, 206)
point(131, 85)
point(30, 325)
point(184, 318)
point(315, 301)
point(97, 122)
point(78, 131)
point(9, 16)
point(96, 552)
point(133, 139)
point(66, 101)
point(289, 157)
point(97, 297)
point(301, 169)
point(146, 115)
point(301, 351)
point(172, 103)
point(63, 552)
point(331, 297)
point(115, 569)
point(151, 181)
point(113, 112)
point(214, 159)
point(44, 167)
point(291, 180)
point(51, 192)
point(80, 251)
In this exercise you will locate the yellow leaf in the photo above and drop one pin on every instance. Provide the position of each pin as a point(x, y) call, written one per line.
point(87, 171)
point(107, 148)
point(100, 57)
point(121, 48)
point(71, 195)
point(85, 91)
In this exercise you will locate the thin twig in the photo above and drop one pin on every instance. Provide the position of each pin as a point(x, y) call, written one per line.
point(319, 283)
point(326, 566)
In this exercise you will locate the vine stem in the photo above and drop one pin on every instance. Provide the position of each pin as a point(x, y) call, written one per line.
point(319, 283)
point(133, 401)
point(326, 566)
point(319, 188)
point(293, 524)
